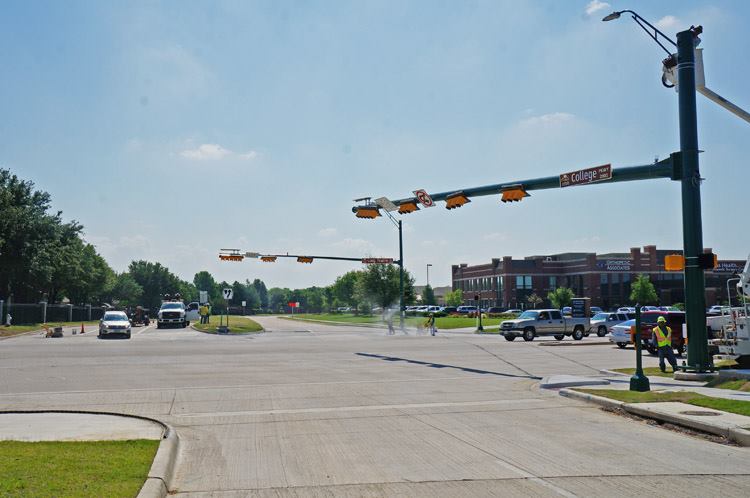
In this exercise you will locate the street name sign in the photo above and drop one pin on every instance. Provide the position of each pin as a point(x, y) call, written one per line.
point(386, 204)
point(228, 293)
point(424, 198)
point(377, 261)
point(586, 176)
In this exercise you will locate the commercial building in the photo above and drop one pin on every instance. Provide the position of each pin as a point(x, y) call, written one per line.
point(605, 278)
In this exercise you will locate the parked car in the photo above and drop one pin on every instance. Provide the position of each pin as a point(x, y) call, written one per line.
point(567, 310)
point(114, 323)
point(495, 309)
point(533, 323)
point(602, 322)
point(514, 311)
point(595, 310)
point(626, 309)
point(620, 334)
point(466, 309)
point(716, 309)
point(448, 309)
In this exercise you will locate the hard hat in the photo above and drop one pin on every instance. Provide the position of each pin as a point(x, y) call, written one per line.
point(661, 319)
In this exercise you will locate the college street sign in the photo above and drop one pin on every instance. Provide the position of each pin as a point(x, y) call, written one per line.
point(377, 261)
point(586, 176)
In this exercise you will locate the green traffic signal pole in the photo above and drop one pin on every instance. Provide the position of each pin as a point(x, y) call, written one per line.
point(692, 224)
point(401, 276)
point(638, 382)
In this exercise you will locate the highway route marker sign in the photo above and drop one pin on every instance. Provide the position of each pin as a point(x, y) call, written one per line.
point(586, 176)
point(228, 293)
point(424, 198)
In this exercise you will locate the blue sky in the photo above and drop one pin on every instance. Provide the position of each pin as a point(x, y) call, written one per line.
point(173, 129)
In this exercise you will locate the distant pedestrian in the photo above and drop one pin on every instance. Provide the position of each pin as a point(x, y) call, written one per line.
point(430, 324)
point(8, 320)
point(389, 321)
point(662, 335)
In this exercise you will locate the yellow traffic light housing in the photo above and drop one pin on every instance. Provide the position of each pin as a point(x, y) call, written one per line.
point(231, 257)
point(370, 212)
point(674, 262)
point(456, 200)
point(408, 207)
point(304, 259)
point(514, 193)
point(268, 259)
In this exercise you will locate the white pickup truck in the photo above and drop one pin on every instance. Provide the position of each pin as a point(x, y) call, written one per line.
point(533, 323)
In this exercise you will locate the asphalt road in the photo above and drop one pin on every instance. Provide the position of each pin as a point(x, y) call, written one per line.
point(315, 410)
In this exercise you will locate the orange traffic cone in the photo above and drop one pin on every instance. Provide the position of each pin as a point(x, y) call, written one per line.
point(82, 331)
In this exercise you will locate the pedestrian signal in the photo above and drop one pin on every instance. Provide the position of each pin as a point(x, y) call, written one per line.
point(514, 194)
point(408, 207)
point(304, 259)
point(674, 262)
point(231, 257)
point(268, 259)
point(456, 200)
point(371, 212)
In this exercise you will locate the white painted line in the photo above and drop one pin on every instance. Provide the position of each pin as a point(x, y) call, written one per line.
point(144, 329)
point(535, 479)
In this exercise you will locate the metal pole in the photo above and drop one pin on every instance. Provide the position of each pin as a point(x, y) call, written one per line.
point(44, 312)
point(638, 382)
point(2, 317)
point(428, 273)
point(692, 225)
point(479, 311)
point(401, 275)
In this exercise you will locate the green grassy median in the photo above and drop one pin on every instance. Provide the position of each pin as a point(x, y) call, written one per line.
point(22, 329)
point(442, 323)
point(689, 397)
point(74, 468)
point(237, 325)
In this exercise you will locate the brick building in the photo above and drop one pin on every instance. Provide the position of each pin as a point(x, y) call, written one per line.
point(605, 278)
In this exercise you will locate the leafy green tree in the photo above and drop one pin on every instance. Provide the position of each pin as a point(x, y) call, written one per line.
point(534, 300)
point(561, 297)
point(344, 289)
point(125, 290)
point(252, 299)
point(642, 291)
point(277, 299)
point(454, 298)
point(260, 288)
point(428, 295)
point(380, 284)
point(155, 280)
point(315, 299)
point(203, 280)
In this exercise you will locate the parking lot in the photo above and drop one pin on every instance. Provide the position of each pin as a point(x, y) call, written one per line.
point(310, 410)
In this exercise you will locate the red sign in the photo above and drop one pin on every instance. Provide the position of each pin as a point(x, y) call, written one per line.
point(293, 304)
point(586, 176)
point(424, 198)
point(377, 261)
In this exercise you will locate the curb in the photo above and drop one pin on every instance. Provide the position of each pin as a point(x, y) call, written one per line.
point(736, 434)
point(612, 372)
point(161, 473)
point(162, 469)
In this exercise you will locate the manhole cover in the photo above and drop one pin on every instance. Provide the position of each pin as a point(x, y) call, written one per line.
point(698, 413)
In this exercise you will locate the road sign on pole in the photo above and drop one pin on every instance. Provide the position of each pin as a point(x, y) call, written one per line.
point(586, 176)
point(386, 204)
point(228, 293)
point(377, 261)
point(424, 198)
point(203, 296)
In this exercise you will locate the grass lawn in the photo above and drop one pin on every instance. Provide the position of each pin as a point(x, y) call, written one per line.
point(75, 468)
point(20, 329)
point(734, 385)
point(237, 325)
point(691, 398)
point(648, 371)
point(442, 323)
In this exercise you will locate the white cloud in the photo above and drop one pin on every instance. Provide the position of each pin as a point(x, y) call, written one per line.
point(248, 156)
point(668, 22)
point(551, 119)
point(361, 246)
point(206, 152)
point(327, 232)
point(595, 6)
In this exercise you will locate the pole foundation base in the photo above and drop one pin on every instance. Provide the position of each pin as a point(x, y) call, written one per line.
point(695, 376)
point(640, 383)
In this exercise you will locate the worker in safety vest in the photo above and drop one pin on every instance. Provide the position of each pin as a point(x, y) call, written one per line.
point(203, 311)
point(662, 335)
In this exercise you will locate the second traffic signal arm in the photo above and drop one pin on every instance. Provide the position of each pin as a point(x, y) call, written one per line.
point(271, 258)
point(666, 168)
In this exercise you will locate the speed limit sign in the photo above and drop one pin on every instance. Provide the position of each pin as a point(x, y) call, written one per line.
point(424, 198)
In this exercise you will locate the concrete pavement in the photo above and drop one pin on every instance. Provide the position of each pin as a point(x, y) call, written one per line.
point(313, 410)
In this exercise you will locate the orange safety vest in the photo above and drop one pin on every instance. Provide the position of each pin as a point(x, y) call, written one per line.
point(662, 339)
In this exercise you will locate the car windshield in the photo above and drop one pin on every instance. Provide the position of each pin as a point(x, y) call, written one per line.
point(529, 315)
point(600, 316)
point(628, 324)
point(172, 306)
point(115, 317)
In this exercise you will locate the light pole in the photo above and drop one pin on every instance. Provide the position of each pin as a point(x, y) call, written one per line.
point(428, 273)
point(688, 173)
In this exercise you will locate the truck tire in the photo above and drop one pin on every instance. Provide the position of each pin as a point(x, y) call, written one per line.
point(622, 345)
point(184, 324)
point(127, 335)
point(577, 334)
point(601, 331)
point(510, 337)
point(559, 337)
point(528, 334)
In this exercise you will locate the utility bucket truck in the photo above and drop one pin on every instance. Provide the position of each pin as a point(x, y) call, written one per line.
point(733, 339)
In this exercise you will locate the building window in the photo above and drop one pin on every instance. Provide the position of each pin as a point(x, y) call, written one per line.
point(553, 283)
point(615, 278)
point(603, 278)
point(523, 282)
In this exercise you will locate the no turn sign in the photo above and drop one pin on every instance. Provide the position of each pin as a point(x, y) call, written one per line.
point(424, 198)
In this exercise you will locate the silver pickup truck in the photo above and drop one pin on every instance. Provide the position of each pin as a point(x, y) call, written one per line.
point(533, 323)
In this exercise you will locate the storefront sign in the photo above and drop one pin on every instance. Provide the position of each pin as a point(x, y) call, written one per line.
point(729, 267)
point(615, 265)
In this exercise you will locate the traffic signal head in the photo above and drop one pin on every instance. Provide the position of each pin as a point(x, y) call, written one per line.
point(371, 212)
point(514, 193)
point(408, 207)
point(231, 257)
point(304, 259)
point(708, 261)
point(268, 259)
point(456, 200)
point(674, 262)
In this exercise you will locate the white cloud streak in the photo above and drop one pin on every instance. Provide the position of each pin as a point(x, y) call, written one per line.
point(595, 6)
point(215, 152)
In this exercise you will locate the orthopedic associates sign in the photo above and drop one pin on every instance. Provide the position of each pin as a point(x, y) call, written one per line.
point(615, 265)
